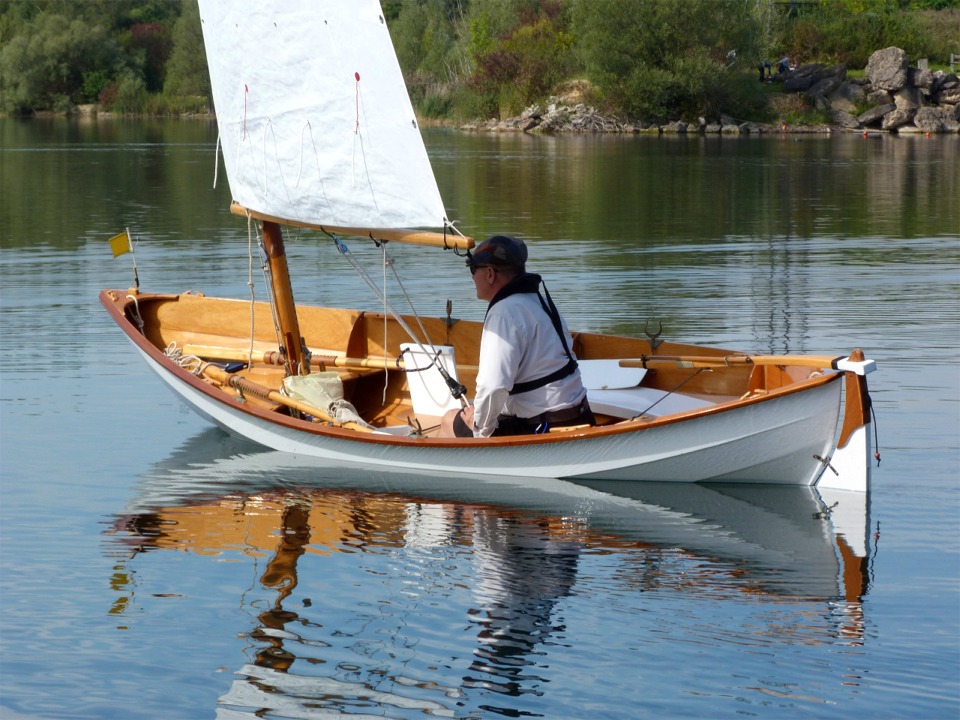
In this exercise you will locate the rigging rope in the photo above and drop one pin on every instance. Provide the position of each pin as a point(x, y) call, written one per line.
point(265, 269)
point(457, 390)
point(365, 276)
point(669, 393)
point(136, 313)
point(188, 362)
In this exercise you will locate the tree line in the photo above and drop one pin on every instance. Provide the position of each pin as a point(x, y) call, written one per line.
point(466, 59)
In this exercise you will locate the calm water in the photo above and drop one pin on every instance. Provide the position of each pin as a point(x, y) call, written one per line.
point(153, 567)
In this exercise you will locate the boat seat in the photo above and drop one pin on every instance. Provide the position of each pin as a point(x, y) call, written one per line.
point(630, 402)
point(615, 391)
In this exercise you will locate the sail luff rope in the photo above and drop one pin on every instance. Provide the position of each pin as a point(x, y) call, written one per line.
point(216, 158)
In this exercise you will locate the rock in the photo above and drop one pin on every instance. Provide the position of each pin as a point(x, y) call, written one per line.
point(534, 111)
point(712, 128)
point(875, 114)
point(846, 97)
point(887, 69)
point(897, 118)
point(751, 128)
point(677, 126)
point(944, 81)
point(930, 119)
point(879, 97)
point(803, 78)
point(829, 80)
point(845, 119)
point(825, 86)
point(920, 78)
point(949, 96)
point(907, 98)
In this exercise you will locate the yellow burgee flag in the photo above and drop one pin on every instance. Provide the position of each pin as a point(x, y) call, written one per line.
point(120, 244)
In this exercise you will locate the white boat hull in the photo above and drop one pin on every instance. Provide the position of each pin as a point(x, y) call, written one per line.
point(775, 441)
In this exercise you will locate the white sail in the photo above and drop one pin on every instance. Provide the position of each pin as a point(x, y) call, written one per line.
point(315, 122)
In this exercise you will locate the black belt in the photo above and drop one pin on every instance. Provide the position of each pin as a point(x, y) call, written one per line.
point(579, 414)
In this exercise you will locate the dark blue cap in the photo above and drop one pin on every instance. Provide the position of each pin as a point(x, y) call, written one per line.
point(500, 251)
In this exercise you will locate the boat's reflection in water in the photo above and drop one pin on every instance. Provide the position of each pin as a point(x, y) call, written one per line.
point(515, 548)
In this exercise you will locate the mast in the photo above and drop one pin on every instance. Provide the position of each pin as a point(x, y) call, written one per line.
point(283, 299)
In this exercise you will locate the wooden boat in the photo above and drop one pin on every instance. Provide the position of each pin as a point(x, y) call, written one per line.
point(317, 132)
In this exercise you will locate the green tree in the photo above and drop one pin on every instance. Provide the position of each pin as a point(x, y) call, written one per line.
point(58, 53)
point(518, 65)
point(50, 64)
point(427, 36)
point(849, 31)
point(187, 74)
point(660, 59)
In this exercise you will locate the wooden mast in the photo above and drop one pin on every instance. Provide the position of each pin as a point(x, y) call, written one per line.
point(283, 299)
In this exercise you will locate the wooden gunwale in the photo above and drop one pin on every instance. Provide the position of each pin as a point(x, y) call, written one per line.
point(116, 302)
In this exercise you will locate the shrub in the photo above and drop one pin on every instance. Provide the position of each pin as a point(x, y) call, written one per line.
point(835, 33)
point(663, 59)
point(131, 94)
point(942, 28)
point(524, 66)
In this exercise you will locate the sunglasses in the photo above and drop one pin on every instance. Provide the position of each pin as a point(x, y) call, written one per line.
point(474, 268)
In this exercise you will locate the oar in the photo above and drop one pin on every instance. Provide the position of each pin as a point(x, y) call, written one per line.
point(855, 363)
point(272, 357)
point(246, 385)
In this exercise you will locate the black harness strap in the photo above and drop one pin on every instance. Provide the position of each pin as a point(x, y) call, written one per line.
point(530, 283)
point(560, 374)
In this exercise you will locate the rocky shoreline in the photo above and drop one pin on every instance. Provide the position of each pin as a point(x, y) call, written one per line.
point(892, 98)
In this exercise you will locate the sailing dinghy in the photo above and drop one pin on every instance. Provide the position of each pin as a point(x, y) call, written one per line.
point(317, 131)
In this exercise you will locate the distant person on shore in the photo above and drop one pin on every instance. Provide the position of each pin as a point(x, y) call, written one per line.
point(766, 71)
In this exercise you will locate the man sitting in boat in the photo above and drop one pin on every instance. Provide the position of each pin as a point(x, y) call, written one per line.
point(528, 381)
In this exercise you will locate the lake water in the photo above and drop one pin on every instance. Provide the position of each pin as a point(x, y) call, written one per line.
point(153, 567)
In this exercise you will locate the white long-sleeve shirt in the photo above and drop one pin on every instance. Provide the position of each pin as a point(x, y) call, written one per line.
point(519, 344)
